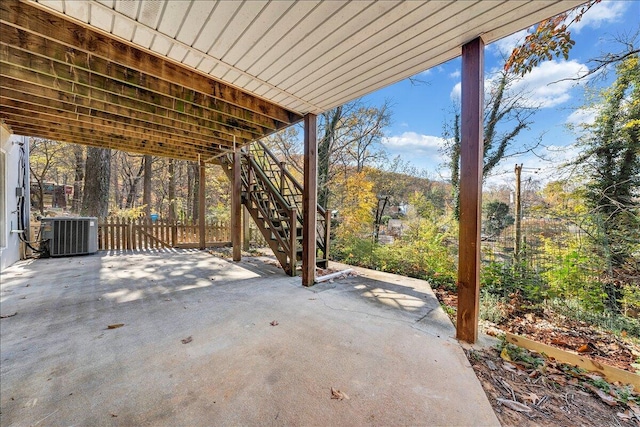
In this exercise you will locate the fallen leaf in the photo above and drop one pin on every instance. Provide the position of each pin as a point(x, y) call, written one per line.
point(558, 341)
point(274, 323)
point(337, 394)
point(516, 406)
point(531, 397)
point(602, 395)
point(505, 355)
point(584, 348)
point(4, 316)
point(187, 340)
point(115, 326)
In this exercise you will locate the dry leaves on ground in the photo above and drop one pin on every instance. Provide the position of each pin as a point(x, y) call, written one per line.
point(532, 391)
point(115, 326)
point(337, 394)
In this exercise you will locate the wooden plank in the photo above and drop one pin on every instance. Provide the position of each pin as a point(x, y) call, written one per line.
point(108, 124)
point(25, 92)
point(236, 207)
point(309, 202)
point(167, 93)
point(80, 124)
point(91, 137)
point(609, 372)
point(51, 74)
point(53, 27)
point(471, 160)
point(201, 206)
point(221, 139)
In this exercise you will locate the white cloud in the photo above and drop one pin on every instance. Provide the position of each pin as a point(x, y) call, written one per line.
point(455, 74)
point(414, 141)
point(547, 166)
point(545, 86)
point(423, 151)
point(505, 45)
point(582, 116)
point(456, 92)
point(599, 14)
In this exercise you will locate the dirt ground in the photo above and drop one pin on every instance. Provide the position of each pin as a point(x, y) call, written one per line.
point(530, 390)
point(551, 394)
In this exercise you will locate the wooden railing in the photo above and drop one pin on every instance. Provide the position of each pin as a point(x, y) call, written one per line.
point(274, 199)
point(117, 234)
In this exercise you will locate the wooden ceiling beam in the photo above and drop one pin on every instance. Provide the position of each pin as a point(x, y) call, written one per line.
point(53, 27)
point(18, 120)
point(87, 118)
point(23, 66)
point(39, 132)
point(75, 59)
point(26, 92)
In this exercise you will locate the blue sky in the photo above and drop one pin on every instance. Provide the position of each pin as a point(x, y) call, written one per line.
point(419, 111)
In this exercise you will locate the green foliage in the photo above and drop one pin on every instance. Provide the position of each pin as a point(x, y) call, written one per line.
point(612, 163)
point(519, 354)
point(497, 217)
point(573, 272)
point(422, 253)
point(550, 39)
point(219, 212)
point(501, 279)
point(131, 213)
point(630, 299)
point(492, 307)
point(606, 319)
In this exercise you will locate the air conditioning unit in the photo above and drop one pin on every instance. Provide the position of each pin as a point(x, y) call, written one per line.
point(69, 236)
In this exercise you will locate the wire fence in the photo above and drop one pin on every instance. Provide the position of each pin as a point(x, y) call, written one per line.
point(558, 264)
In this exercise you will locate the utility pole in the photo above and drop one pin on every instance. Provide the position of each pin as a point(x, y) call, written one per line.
point(518, 222)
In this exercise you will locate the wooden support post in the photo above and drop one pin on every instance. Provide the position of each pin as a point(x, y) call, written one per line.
point(309, 201)
point(471, 162)
point(201, 207)
point(293, 242)
point(236, 207)
point(246, 230)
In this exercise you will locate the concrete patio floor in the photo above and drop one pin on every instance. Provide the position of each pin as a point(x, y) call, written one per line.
point(381, 339)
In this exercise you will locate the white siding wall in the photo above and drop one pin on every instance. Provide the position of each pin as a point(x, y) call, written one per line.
point(9, 180)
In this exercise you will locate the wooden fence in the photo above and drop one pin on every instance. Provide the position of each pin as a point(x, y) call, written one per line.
point(117, 234)
point(126, 234)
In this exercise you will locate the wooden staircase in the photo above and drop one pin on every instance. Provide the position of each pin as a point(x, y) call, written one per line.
point(273, 198)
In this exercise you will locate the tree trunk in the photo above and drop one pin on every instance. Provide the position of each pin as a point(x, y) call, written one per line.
point(172, 191)
point(146, 185)
point(96, 184)
point(325, 145)
point(195, 172)
point(132, 195)
point(78, 180)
